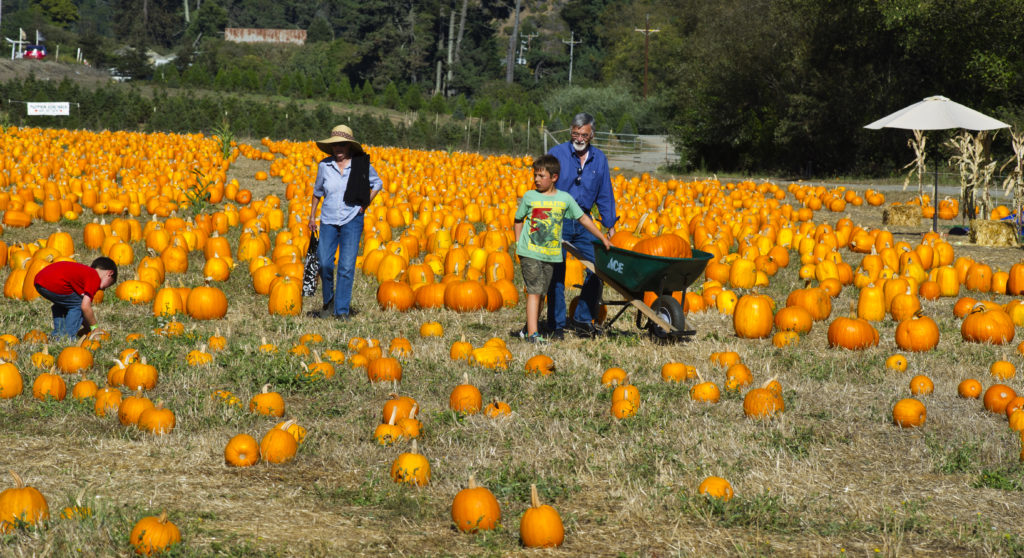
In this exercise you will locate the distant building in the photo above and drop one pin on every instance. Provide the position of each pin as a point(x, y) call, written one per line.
point(241, 35)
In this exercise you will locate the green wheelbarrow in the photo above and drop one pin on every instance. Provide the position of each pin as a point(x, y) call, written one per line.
point(632, 274)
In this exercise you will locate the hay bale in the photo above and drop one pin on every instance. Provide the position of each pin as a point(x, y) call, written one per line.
point(986, 232)
point(904, 215)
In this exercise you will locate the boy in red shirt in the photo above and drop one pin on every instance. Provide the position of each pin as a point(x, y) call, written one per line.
point(71, 286)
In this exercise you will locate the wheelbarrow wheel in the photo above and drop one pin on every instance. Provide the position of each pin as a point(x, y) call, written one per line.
point(668, 309)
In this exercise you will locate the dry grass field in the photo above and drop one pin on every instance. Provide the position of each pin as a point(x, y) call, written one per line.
point(832, 476)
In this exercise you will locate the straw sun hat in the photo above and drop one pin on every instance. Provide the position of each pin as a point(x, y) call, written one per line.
point(339, 134)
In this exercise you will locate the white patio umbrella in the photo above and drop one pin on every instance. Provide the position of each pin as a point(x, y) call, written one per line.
point(937, 113)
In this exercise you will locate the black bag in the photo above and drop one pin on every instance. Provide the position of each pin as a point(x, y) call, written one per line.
point(311, 267)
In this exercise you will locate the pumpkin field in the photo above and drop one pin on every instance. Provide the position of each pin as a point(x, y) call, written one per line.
point(851, 389)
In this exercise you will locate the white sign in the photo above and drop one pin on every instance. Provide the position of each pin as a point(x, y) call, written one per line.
point(49, 109)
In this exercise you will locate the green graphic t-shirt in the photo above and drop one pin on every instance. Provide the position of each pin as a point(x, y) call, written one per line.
point(542, 216)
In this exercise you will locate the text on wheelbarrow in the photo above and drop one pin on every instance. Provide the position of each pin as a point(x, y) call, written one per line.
point(615, 265)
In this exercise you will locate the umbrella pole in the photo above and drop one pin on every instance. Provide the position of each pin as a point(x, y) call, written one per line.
point(935, 201)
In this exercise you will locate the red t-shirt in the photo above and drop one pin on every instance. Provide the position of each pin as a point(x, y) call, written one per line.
point(69, 277)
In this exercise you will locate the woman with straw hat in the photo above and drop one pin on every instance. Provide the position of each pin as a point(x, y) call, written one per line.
point(347, 184)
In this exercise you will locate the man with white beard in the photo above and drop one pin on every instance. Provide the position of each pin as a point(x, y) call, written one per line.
point(586, 178)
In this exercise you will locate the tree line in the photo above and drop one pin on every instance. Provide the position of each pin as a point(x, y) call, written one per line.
point(739, 85)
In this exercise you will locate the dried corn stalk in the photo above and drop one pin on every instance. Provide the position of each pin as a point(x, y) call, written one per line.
point(975, 170)
point(1015, 179)
point(918, 164)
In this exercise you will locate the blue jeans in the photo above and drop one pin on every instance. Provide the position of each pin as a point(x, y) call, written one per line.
point(590, 295)
point(346, 237)
point(66, 311)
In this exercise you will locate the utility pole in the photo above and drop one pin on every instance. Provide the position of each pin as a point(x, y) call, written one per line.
point(647, 41)
point(572, 42)
point(524, 47)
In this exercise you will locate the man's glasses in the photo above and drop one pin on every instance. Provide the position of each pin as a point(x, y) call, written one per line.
point(580, 136)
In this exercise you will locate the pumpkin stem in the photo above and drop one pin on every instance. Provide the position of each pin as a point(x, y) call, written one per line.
point(465, 377)
point(18, 483)
point(534, 497)
point(287, 424)
point(415, 409)
point(163, 517)
point(414, 449)
point(394, 413)
point(472, 481)
point(266, 388)
point(316, 356)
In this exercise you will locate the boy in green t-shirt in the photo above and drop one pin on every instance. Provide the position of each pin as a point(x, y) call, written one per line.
point(540, 248)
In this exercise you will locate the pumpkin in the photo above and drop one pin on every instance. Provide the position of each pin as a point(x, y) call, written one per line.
point(997, 397)
point(78, 511)
point(84, 389)
point(384, 369)
point(677, 372)
point(613, 376)
point(737, 376)
point(461, 350)
point(217, 342)
point(540, 525)
point(1002, 370)
point(753, 316)
point(388, 433)
point(540, 364)
point(794, 318)
point(278, 444)
point(141, 375)
point(897, 363)
point(921, 385)
point(74, 359)
point(909, 413)
point(267, 403)
point(716, 487)
point(49, 385)
point(199, 357)
point(852, 333)
point(496, 409)
point(465, 398)
point(431, 329)
point(21, 505)
point(395, 295)
point(115, 376)
point(157, 420)
point(705, 392)
point(983, 325)
point(242, 451)
point(131, 408)
point(785, 338)
point(154, 534)
point(411, 468)
point(400, 347)
point(11, 384)
point(410, 425)
point(43, 359)
point(969, 389)
point(475, 509)
point(725, 358)
point(917, 333)
point(108, 400)
point(465, 296)
point(206, 302)
point(623, 408)
point(762, 402)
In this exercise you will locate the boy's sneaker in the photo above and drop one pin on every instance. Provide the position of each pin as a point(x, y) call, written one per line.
point(535, 338)
point(518, 333)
